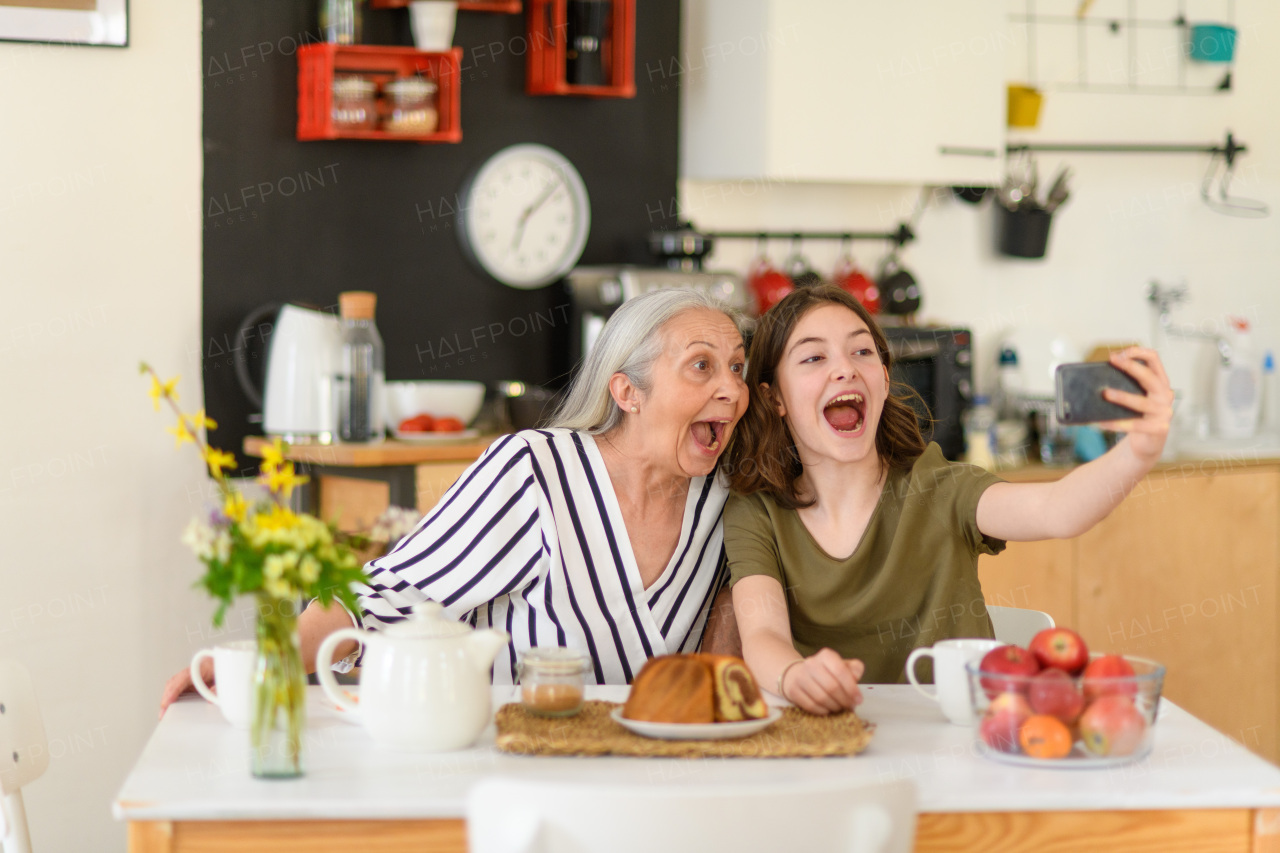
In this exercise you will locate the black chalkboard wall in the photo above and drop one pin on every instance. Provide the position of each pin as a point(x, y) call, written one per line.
point(301, 221)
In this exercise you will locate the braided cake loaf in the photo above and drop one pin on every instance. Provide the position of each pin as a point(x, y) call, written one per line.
point(695, 689)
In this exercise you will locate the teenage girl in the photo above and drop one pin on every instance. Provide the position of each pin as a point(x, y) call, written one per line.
point(849, 540)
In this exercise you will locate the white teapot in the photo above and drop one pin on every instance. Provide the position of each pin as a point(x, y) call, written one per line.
point(424, 682)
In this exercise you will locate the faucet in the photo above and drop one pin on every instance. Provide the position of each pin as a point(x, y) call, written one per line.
point(1163, 298)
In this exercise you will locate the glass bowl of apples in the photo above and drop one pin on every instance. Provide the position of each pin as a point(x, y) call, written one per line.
point(1056, 705)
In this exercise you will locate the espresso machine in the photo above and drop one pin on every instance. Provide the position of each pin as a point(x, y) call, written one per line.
point(595, 292)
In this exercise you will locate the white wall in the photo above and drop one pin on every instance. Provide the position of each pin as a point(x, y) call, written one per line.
point(100, 170)
point(1131, 218)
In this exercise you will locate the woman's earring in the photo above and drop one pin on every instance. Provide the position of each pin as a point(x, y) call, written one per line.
point(635, 410)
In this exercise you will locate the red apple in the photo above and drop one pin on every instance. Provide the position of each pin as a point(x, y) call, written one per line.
point(1108, 675)
point(1060, 648)
point(1001, 721)
point(1055, 693)
point(1112, 725)
point(1013, 661)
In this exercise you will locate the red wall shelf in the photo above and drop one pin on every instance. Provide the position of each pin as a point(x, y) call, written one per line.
point(545, 64)
point(509, 7)
point(317, 63)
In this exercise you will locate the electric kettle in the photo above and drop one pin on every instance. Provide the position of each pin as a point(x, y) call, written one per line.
point(297, 399)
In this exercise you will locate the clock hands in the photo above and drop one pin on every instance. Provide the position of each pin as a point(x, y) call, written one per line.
point(532, 208)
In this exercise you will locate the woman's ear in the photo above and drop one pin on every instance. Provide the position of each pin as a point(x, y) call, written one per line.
point(886, 377)
point(626, 395)
point(776, 399)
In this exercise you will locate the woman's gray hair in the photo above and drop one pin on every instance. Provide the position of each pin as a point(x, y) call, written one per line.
point(629, 344)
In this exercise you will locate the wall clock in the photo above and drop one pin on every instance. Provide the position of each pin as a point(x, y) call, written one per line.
point(525, 216)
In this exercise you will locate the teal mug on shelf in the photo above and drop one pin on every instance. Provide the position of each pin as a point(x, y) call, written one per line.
point(1212, 42)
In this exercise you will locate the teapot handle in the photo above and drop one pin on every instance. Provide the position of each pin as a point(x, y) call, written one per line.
point(324, 667)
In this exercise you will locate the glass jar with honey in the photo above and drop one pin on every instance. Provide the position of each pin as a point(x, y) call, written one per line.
point(552, 680)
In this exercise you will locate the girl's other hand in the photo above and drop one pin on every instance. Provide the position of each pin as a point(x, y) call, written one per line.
point(824, 684)
point(1147, 433)
point(180, 683)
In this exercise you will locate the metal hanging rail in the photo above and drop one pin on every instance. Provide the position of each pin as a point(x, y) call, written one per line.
point(1229, 151)
point(901, 236)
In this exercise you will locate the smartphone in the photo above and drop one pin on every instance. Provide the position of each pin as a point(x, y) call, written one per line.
point(1079, 392)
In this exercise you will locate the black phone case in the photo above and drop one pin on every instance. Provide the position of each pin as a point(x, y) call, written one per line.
point(1079, 392)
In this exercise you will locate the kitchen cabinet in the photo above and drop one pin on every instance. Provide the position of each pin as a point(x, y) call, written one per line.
point(1184, 572)
point(841, 90)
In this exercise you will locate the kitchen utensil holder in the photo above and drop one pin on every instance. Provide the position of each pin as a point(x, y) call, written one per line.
point(1024, 233)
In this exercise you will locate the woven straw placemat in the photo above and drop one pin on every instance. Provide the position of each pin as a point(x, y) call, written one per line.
point(591, 732)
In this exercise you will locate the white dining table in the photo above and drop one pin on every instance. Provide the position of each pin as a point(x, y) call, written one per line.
point(191, 791)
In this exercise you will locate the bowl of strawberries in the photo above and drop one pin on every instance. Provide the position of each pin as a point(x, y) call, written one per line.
point(1055, 704)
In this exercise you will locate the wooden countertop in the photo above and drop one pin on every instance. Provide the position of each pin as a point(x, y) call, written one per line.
point(1183, 466)
point(386, 453)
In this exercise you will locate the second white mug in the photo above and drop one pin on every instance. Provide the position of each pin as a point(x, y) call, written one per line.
point(233, 674)
point(950, 681)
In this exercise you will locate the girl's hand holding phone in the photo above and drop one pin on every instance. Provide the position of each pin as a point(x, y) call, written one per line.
point(823, 683)
point(1147, 434)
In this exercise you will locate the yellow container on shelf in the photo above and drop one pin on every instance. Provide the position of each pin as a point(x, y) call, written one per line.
point(1024, 106)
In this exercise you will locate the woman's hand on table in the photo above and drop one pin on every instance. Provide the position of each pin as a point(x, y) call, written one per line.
point(181, 683)
point(824, 683)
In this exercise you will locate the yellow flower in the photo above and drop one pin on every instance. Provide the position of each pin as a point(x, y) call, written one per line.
point(160, 389)
point(276, 518)
point(283, 480)
point(234, 507)
point(309, 569)
point(217, 460)
point(273, 455)
point(180, 432)
point(200, 419)
point(281, 589)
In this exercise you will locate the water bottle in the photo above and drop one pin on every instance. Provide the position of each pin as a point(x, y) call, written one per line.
point(361, 370)
point(1008, 384)
point(979, 433)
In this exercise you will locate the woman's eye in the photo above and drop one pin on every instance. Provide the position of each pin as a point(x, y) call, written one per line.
point(739, 368)
point(700, 364)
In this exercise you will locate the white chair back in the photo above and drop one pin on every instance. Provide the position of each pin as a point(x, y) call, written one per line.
point(521, 816)
point(1016, 626)
point(24, 752)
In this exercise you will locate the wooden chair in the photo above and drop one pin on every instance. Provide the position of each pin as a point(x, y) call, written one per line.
point(24, 753)
point(520, 816)
point(1016, 626)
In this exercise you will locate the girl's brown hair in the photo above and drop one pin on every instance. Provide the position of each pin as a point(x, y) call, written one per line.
point(763, 454)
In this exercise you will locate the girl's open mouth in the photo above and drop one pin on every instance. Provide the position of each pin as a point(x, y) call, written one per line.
point(846, 413)
point(708, 434)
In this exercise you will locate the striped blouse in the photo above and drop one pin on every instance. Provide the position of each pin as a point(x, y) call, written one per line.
point(531, 540)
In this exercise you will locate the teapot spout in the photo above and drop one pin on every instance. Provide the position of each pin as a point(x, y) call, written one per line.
point(483, 647)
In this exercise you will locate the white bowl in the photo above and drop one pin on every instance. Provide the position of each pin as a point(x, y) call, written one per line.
point(436, 397)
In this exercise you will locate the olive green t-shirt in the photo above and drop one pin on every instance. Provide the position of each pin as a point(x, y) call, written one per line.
point(911, 581)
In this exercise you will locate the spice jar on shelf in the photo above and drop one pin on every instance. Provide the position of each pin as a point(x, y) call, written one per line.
point(411, 105)
point(355, 105)
point(551, 681)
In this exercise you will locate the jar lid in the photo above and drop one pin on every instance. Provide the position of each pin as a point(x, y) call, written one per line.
point(415, 88)
point(555, 660)
point(357, 304)
point(350, 88)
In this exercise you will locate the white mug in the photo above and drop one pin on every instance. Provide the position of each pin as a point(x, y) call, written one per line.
point(432, 23)
point(950, 680)
point(233, 674)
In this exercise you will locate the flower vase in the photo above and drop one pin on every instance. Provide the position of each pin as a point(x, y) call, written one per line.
point(279, 693)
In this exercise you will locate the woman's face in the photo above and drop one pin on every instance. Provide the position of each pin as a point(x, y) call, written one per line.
point(697, 393)
point(831, 386)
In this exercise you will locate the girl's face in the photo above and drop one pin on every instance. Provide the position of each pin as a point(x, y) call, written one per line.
point(831, 386)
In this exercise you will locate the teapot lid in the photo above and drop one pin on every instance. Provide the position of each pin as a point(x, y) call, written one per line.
point(427, 621)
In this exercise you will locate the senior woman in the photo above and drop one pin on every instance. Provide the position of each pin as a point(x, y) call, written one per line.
point(601, 532)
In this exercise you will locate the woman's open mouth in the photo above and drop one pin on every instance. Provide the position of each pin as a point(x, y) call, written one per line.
point(846, 413)
point(708, 434)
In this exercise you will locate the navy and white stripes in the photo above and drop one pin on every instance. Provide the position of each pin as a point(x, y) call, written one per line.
point(531, 540)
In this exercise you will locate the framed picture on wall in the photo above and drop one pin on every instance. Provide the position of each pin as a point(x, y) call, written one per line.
point(89, 22)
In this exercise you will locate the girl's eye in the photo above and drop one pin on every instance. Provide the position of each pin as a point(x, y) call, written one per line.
point(811, 359)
